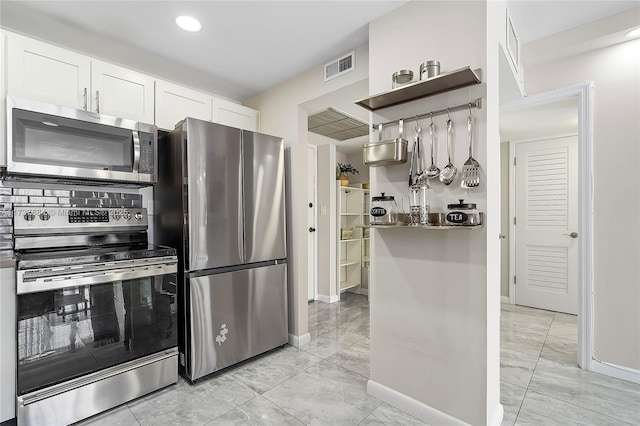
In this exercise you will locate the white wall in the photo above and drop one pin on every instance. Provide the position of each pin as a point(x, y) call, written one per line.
point(434, 310)
point(281, 114)
point(504, 223)
point(327, 228)
point(615, 72)
point(356, 161)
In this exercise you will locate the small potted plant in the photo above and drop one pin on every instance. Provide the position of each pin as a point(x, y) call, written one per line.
point(344, 169)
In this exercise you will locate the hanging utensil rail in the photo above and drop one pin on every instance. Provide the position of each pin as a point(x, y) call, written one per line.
point(473, 104)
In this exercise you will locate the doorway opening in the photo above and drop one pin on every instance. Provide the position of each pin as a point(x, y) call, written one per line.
point(541, 128)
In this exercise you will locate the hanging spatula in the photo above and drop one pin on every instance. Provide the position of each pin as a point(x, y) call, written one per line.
point(471, 168)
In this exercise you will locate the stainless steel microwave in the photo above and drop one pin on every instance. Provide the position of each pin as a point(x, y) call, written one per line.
point(51, 140)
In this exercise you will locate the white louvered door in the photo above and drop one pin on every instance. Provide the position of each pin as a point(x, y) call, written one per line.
point(546, 183)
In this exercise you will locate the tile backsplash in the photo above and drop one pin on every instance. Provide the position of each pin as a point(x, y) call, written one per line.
point(15, 196)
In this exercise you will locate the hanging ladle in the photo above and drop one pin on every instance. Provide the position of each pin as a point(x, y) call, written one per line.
point(449, 172)
point(433, 171)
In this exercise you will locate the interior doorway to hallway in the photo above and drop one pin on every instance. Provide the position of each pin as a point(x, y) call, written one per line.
point(549, 138)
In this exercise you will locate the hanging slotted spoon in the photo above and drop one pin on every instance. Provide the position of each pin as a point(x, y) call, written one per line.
point(470, 170)
point(432, 171)
point(449, 171)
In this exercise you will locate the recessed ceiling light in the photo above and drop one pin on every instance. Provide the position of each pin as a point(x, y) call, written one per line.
point(633, 33)
point(188, 23)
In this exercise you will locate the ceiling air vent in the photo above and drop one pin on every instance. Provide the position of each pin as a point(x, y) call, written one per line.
point(336, 124)
point(340, 66)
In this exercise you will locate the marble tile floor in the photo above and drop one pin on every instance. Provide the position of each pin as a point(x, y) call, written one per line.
point(324, 382)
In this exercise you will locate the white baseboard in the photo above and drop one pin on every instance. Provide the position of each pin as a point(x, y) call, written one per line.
point(505, 299)
point(298, 341)
point(328, 299)
point(616, 371)
point(416, 408)
point(498, 415)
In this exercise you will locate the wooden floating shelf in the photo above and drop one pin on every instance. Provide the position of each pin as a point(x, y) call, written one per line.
point(444, 82)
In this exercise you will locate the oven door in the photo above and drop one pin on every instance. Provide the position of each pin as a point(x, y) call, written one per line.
point(73, 324)
point(58, 141)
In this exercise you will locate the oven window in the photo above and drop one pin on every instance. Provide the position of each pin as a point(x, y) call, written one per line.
point(67, 333)
point(45, 139)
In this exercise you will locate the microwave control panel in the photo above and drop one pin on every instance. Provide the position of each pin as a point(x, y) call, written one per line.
point(147, 153)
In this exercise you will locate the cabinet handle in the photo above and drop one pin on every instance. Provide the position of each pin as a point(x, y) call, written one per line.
point(98, 101)
point(85, 98)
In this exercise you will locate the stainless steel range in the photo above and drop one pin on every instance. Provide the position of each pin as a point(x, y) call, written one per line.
point(96, 312)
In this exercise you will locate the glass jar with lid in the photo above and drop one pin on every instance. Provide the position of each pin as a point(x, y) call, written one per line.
point(464, 214)
point(383, 210)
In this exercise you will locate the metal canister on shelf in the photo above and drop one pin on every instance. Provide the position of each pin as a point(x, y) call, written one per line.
point(462, 214)
point(429, 69)
point(400, 78)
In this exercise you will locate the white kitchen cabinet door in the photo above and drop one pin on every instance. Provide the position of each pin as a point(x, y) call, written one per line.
point(174, 103)
point(47, 73)
point(120, 92)
point(235, 115)
point(3, 108)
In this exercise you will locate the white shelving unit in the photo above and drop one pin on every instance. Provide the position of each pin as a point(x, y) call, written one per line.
point(366, 247)
point(350, 247)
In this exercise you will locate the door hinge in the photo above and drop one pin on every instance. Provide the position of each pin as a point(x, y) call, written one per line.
point(514, 220)
point(514, 161)
point(514, 280)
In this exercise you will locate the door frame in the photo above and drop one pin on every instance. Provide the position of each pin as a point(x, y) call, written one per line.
point(313, 262)
point(512, 207)
point(583, 94)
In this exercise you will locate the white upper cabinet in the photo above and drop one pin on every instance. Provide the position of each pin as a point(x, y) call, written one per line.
point(174, 103)
point(235, 115)
point(121, 92)
point(47, 73)
point(3, 105)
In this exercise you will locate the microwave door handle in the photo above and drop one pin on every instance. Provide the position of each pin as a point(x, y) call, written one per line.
point(136, 151)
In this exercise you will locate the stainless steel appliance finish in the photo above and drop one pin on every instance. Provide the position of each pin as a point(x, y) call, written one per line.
point(49, 220)
point(51, 140)
point(264, 197)
point(214, 176)
point(228, 224)
point(235, 315)
point(84, 397)
point(56, 278)
point(96, 310)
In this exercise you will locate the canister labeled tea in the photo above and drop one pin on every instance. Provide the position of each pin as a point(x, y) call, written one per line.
point(462, 214)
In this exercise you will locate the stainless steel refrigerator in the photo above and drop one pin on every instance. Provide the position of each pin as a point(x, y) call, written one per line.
point(220, 202)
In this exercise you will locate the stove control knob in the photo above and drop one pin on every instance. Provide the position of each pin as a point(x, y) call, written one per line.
point(45, 216)
point(116, 214)
point(29, 216)
point(126, 215)
point(138, 216)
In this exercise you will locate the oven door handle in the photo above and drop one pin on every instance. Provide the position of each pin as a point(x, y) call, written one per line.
point(57, 282)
